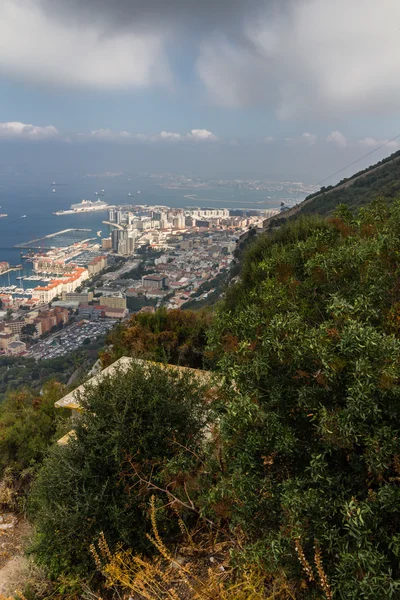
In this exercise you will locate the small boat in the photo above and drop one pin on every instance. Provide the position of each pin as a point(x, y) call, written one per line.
point(23, 217)
point(54, 191)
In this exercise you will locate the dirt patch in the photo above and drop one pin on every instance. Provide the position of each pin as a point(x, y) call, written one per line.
point(14, 532)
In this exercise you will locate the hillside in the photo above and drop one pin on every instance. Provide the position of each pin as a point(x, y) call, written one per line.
point(277, 476)
point(381, 180)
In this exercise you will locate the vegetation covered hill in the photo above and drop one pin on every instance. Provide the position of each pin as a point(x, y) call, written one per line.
point(281, 479)
point(381, 180)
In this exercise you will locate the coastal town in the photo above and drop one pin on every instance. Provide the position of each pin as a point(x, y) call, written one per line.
point(153, 256)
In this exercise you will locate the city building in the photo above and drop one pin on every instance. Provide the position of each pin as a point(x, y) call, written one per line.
point(16, 348)
point(47, 319)
point(7, 301)
point(115, 313)
point(4, 266)
point(89, 313)
point(113, 301)
point(97, 265)
point(155, 281)
point(106, 243)
point(210, 213)
point(15, 326)
point(56, 287)
point(81, 297)
point(6, 338)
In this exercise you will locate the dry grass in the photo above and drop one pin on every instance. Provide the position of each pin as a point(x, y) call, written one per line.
point(201, 571)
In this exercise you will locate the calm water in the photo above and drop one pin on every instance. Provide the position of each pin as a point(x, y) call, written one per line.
point(38, 202)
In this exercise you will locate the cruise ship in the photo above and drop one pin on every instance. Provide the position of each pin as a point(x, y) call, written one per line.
point(84, 206)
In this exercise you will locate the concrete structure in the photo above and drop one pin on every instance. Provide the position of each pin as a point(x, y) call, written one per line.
point(122, 365)
point(47, 319)
point(16, 348)
point(7, 301)
point(6, 338)
point(15, 326)
point(113, 301)
point(80, 297)
point(115, 313)
point(156, 281)
point(4, 266)
point(97, 265)
point(106, 243)
point(89, 313)
point(210, 213)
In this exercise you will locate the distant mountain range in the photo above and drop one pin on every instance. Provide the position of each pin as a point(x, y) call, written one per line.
point(381, 180)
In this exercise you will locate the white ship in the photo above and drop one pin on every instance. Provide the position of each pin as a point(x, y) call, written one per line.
point(84, 206)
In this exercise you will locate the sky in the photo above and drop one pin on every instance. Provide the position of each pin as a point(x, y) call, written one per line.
point(273, 89)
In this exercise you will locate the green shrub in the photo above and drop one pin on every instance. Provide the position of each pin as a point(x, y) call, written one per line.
point(139, 417)
point(28, 422)
point(310, 441)
point(169, 336)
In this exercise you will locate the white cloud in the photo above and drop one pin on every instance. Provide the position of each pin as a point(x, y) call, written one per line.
point(337, 138)
point(201, 134)
point(371, 142)
point(108, 134)
point(313, 57)
point(195, 135)
point(16, 129)
point(169, 135)
point(310, 139)
point(36, 46)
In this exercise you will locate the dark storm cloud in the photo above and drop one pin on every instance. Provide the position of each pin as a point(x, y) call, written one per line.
point(296, 57)
point(219, 14)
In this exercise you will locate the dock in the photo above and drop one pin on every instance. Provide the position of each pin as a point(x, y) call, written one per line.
point(17, 268)
point(45, 237)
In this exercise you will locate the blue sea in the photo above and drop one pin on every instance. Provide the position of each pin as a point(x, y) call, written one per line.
point(36, 200)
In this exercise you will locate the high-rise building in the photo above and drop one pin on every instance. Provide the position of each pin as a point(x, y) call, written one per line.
point(121, 242)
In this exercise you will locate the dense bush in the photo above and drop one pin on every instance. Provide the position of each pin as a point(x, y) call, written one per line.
point(310, 441)
point(170, 336)
point(141, 417)
point(28, 422)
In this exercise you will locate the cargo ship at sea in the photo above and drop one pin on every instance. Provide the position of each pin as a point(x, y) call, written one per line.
point(83, 207)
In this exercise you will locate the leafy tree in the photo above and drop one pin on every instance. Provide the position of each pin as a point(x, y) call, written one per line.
point(142, 416)
point(310, 440)
point(29, 330)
